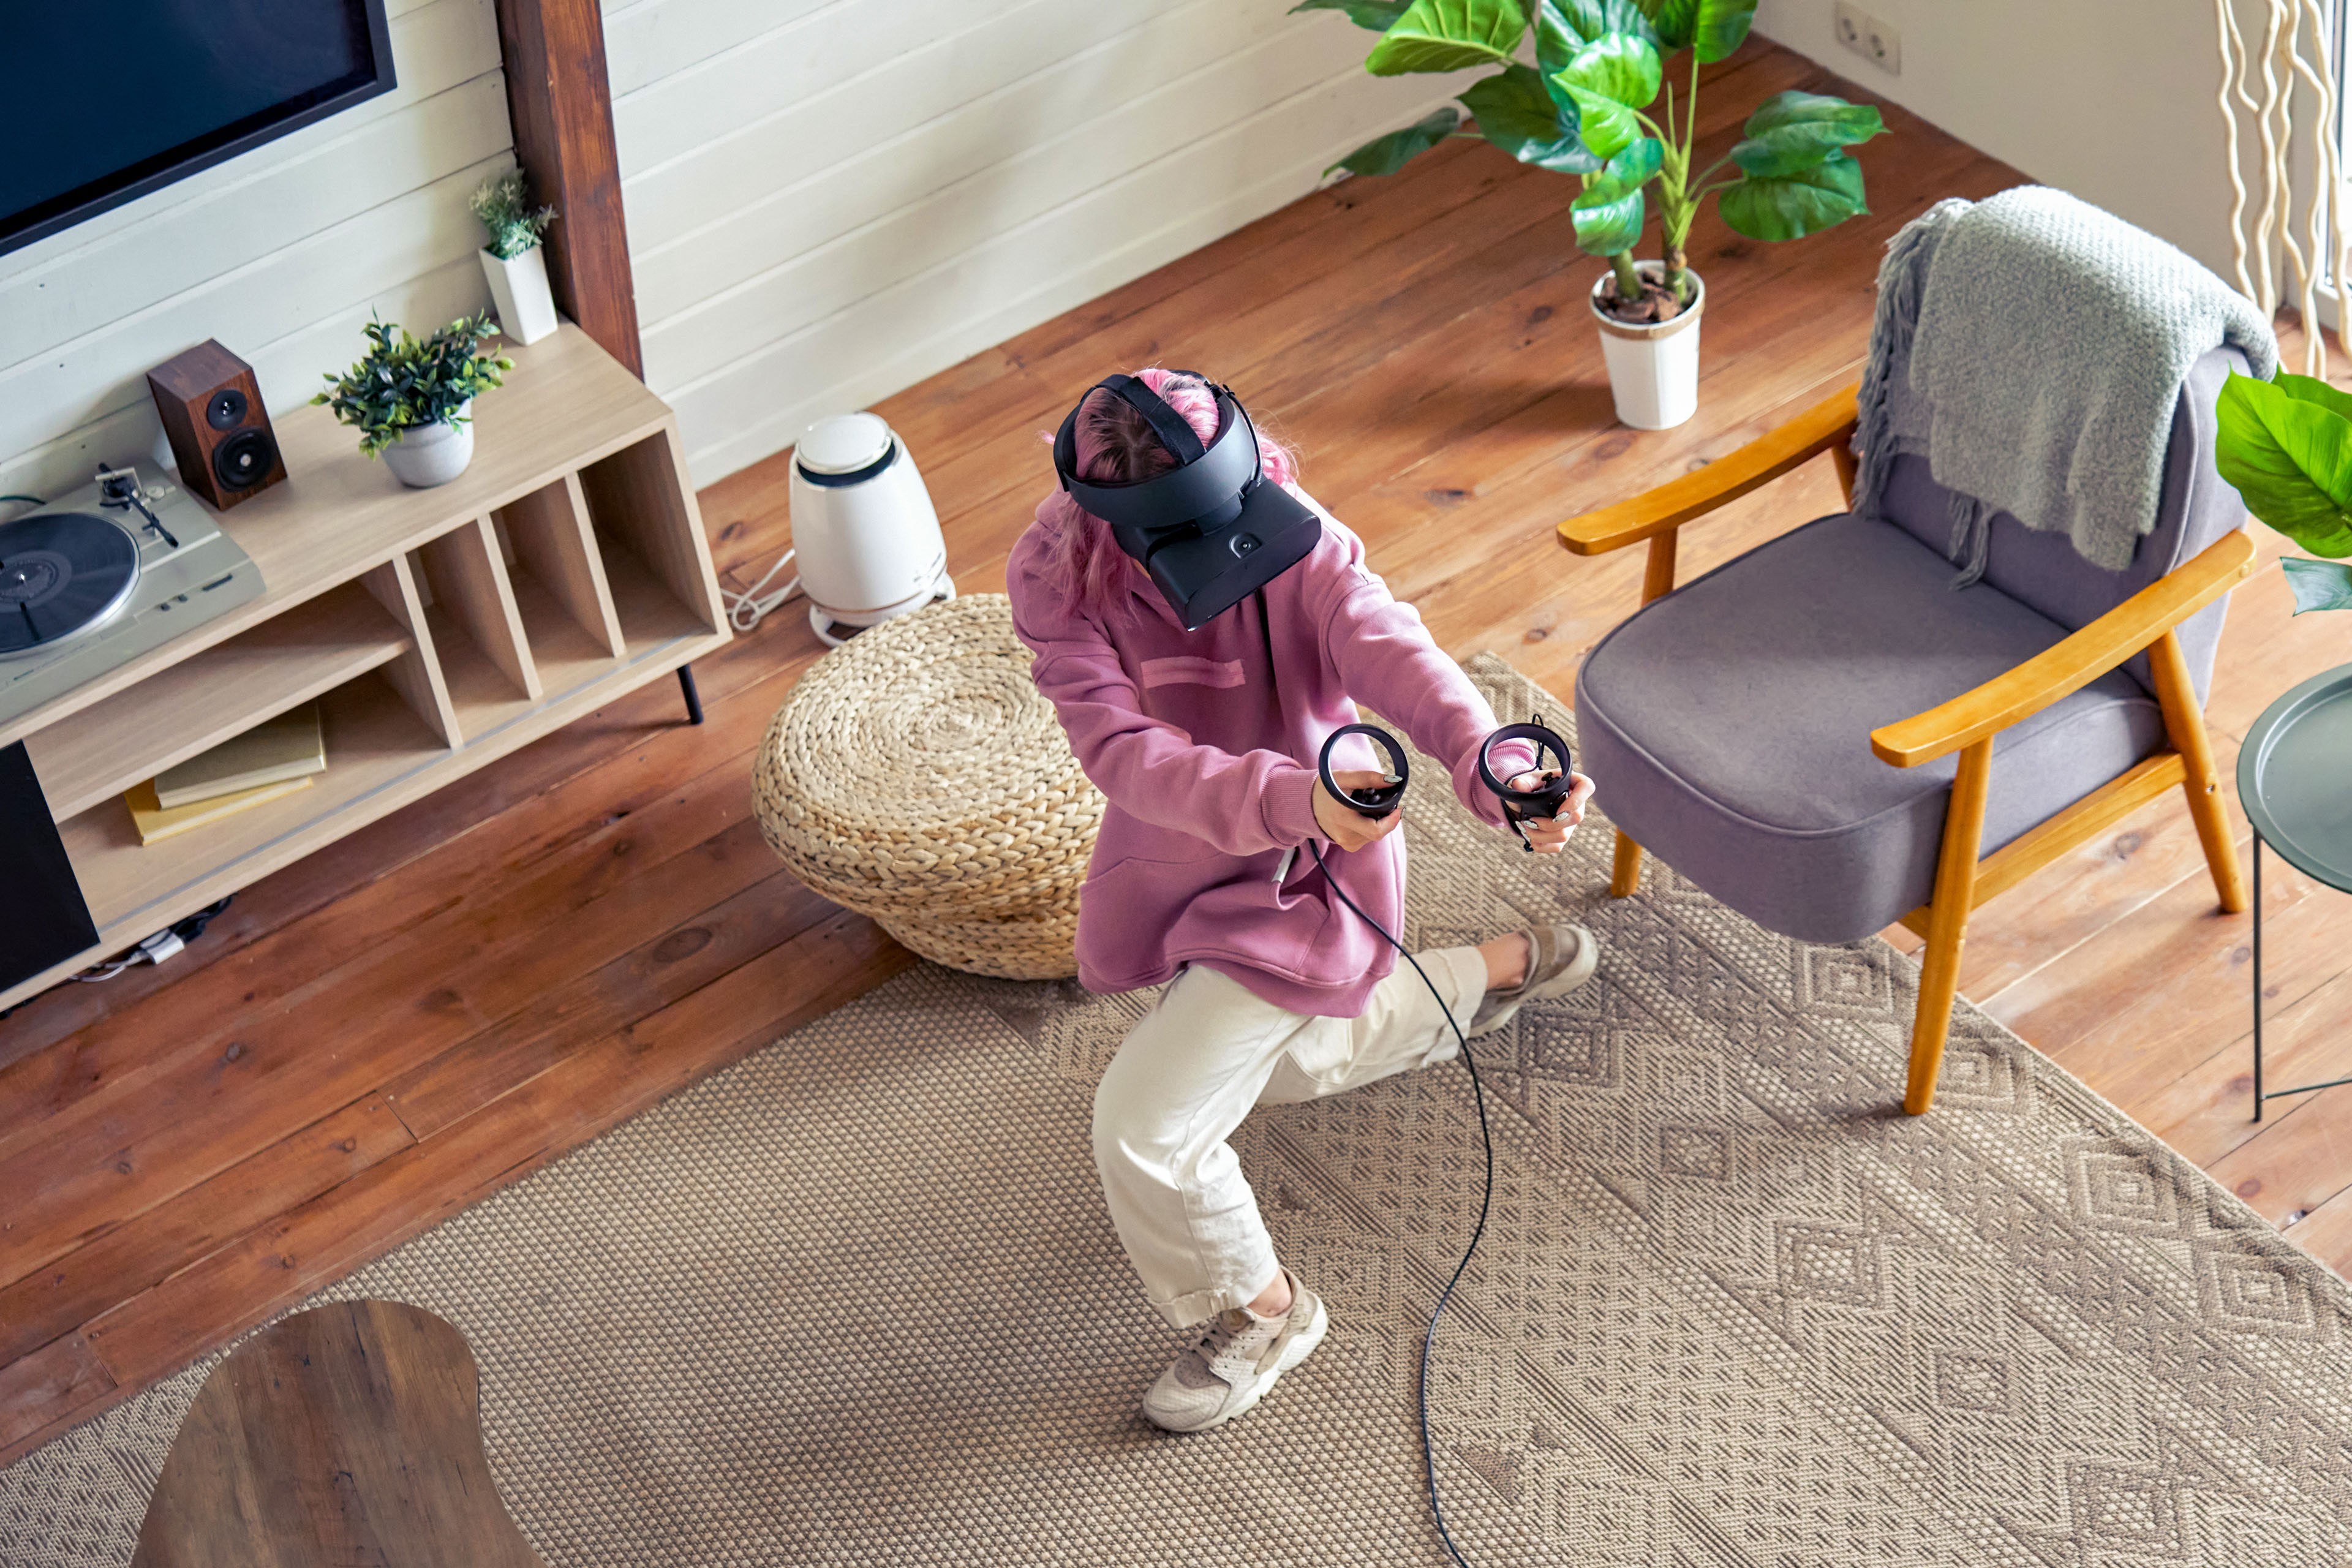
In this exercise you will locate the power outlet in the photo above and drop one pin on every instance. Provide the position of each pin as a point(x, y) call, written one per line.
point(1871, 38)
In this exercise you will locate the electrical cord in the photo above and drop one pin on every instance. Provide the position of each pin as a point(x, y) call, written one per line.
point(1486, 1199)
point(745, 610)
point(165, 943)
point(1379, 803)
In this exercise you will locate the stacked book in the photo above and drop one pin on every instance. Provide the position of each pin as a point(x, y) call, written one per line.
point(272, 759)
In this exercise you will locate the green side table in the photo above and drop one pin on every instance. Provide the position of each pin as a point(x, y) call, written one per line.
point(2295, 779)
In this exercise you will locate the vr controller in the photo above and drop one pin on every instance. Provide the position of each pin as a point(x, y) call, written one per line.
point(1520, 805)
point(1542, 803)
point(1381, 799)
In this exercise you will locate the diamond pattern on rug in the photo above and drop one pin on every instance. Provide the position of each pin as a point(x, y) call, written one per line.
point(856, 1301)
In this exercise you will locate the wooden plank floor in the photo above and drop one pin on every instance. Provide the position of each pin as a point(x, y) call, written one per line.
point(448, 999)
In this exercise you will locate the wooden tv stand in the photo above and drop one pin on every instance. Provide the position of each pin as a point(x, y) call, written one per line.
point(438, 629)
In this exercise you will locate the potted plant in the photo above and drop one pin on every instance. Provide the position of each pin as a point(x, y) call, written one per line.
point(413, 401)
point(1584, 108)
point(2285, 444)
point(513, 261)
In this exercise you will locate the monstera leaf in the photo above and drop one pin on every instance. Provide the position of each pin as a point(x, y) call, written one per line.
point(1380, 16)
point(1793, 205)
point(1609, 214)
point(1448, 36)
point(2286, 447)
point(1517, 115)
point(1710, 29)
point(1795, 130)
point(1387, 154)
point(1564, 26)
point(1609, 80)
point(2318, 584)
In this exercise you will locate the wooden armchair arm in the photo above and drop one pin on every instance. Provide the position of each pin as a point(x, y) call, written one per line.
point(2071, 664)
point(1826, 425)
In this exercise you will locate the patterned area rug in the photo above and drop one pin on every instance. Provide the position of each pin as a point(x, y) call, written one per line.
point(856, 1301)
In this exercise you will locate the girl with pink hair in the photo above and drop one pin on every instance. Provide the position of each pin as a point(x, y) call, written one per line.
point(1204, 743)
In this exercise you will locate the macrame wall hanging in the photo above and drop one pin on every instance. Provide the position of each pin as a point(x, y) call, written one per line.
point(2280, 44)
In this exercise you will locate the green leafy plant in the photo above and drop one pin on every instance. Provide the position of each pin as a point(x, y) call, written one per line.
point(504, 206)
point(1584, 108)
point(401, 382)
point(2285, 444)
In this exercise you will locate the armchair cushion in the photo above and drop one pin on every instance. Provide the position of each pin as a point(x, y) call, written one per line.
point(1729, 725)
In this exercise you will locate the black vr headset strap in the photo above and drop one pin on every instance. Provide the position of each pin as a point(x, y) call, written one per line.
point(1182, 442)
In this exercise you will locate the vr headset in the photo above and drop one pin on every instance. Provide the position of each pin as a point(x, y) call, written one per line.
point(1210, 531)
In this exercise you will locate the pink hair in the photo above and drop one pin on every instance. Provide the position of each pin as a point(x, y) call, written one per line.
point(1083, 562)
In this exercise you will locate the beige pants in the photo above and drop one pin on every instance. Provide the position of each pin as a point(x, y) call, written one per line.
point(1186, 1076)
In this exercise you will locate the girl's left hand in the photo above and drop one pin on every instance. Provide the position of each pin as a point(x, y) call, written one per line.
point(1550, 835)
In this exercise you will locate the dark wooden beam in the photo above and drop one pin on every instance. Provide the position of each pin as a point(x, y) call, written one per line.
point(561, 101)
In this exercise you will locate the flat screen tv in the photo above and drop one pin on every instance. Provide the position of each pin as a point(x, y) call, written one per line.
point(109, 100)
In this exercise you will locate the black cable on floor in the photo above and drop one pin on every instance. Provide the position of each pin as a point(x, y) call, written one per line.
point(1485, 1198)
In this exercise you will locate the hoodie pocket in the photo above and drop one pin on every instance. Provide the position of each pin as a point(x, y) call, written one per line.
point(1187, 669)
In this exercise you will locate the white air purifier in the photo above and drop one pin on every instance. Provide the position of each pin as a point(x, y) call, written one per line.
point(864, 536)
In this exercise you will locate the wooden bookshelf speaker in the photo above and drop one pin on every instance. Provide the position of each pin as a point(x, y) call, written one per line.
point(219, 432)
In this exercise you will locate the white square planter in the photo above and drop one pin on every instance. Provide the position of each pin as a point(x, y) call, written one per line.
point(526, 309)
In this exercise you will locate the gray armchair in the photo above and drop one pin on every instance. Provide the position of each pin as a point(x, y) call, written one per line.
point(1829, 738)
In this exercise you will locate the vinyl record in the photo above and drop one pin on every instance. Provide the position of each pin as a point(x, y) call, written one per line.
point(61, 572)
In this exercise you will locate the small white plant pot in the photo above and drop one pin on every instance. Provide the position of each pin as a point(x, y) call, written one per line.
point(518, 287)
point(1652, 365)
point(429, 455)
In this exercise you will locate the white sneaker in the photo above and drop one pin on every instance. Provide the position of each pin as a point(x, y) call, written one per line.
point(1561, 957)
point(1236, 1360)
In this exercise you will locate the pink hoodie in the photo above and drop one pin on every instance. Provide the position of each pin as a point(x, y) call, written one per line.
point(1210, 780)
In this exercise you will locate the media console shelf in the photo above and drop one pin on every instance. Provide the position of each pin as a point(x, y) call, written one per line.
point(438, 629)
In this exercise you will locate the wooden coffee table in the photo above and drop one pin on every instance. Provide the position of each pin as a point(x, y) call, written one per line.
point(349, 1434)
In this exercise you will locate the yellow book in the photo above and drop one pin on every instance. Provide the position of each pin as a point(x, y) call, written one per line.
point(155, 824)
point(284, 747)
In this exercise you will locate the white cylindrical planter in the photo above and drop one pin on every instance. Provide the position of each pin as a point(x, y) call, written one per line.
point(429, 455)
point(518, 287)
point(1652, 365)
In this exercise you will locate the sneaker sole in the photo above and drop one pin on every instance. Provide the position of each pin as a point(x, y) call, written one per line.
point(1302, 1345)
point(1587, 961)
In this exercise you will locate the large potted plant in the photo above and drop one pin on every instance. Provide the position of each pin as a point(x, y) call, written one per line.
point(2285, 444)
point(412, 401)
point(513, 262)
point(1584, 107)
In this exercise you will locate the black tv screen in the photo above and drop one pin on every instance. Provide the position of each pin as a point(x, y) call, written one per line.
point(108, 100)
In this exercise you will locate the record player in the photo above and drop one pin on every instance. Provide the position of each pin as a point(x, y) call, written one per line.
point(105, 574)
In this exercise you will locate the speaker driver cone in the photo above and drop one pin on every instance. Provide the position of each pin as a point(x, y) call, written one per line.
point(240, 461)
point(224, 410)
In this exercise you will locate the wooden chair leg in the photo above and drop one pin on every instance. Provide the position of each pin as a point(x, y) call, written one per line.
point(1657, 582)
point(1658, 569)
point(1626, 876)
point(1947, 924)
point(2185, 725)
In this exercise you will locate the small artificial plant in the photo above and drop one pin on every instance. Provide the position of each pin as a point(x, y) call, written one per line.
point(504, 206)
point(2285, 444)
point(402, 383)
point(1583, 108)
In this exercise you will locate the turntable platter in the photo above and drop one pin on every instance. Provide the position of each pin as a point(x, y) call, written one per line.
point(61, 572)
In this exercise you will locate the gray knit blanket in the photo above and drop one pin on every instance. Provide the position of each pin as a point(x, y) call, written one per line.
point(2032, 348)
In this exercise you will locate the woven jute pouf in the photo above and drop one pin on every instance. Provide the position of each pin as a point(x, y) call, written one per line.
point(916, 775)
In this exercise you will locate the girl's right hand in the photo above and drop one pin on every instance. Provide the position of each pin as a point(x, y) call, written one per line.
point(1341, 823)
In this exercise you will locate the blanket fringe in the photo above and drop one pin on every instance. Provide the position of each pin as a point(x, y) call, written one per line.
point(1971, 544)
point(1900, 278)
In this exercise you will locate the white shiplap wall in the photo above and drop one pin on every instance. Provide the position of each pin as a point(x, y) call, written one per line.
point(281, 254)
point(829, 200)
